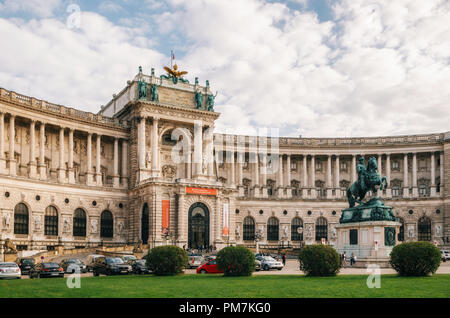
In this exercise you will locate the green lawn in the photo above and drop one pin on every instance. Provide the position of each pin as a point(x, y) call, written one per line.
point(264, 286)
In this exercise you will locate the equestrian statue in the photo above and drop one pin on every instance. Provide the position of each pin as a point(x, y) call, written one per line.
point(368, 179)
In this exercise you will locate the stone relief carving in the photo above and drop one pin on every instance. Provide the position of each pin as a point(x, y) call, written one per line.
point(169, 171)
point(37, 223)
point(438, 230)
point(66, 226)
point(411, 231)
point(309, 231)
point(120, 227)
point(238, 230)
point(333, 232)
point(94, 226)
point(148, 159)
point(6, 221)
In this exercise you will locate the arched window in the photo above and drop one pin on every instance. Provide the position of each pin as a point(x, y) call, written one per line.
point(51, 221)
point(21, 219)
point(424, 229)
point(321, 229)
point(401, 232)
point(272, 229)
point(295, 225)
point(106, 224)
point(79, 223)
point(249, 229)
point(145, 223)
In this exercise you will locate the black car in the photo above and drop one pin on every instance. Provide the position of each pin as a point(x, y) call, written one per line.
point(41, 270)
point(110, 266)
point(70, 265)
point(139, 266)
point(26, 264)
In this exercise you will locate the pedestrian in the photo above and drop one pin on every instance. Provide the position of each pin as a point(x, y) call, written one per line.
point(284, 259)
point(352, 259)
point(344, 256)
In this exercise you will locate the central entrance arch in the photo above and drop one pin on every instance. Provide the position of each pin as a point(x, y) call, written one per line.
point(198, 225)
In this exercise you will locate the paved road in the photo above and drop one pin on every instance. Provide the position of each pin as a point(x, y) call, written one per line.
point(292, 268)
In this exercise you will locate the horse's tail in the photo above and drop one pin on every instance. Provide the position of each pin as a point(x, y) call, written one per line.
point(351, 199)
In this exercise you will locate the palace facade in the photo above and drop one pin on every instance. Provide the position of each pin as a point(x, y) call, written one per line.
point(149, 167)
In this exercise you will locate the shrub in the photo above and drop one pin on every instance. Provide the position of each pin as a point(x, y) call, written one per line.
point(319, 260)
point(415, 258)
point(236, 261)
point(167, 260)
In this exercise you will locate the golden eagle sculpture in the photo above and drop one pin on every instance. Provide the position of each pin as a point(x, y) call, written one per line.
point(174, 71)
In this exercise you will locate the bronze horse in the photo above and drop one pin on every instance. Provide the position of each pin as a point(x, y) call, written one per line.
point(356, 192)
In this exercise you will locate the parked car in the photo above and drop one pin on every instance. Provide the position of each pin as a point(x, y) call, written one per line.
point(48, 269)
point(139, 266)
point(70, 265)
point(10, 270)
point(257, 265)
point(126, 258)
point(25, 265)
point(209, 267)
point(91, 260)
point(445, 255)
point(194, 261)
point(208, 258)
point(110, 266)
point(268, 263)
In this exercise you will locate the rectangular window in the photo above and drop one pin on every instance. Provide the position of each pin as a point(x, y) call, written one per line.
point(353, 237)
point(395, 165)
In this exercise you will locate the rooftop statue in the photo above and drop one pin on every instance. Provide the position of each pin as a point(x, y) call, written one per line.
point(198, 99)
point(174, 74)
point(210, 101)
point(368, 179)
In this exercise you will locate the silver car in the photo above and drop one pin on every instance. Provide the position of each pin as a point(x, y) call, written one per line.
point(445, 255)
point(268, 263)
point(10, 270)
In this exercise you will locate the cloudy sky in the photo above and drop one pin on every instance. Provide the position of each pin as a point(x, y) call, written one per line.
point(316, 68)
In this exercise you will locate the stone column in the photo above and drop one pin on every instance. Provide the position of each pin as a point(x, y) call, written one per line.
point(12, 136)
point(70, 163)
point(116, 177)
point(141, 143)
point(329, 184)
point(155, 151)
point(337, 177)
point(240, 164)
point(414, 176)
point(217, 221)
point(264, 175)
point(62, 162)
point(288, 177)
point(388, 175)
point(353, 168)
point(198, 149)
point(281, 183)
point(405, 176)
point(210, 155)
point(441, 173)
point(2, 144)
point(98, 168)
point(125, 163)
point(89, 174)
point(313, 177)
point(182, 225)
point(256, 176)
point(32, 165)
point(305, 177)
point(232, 171)
point(42, 166)
point(189, 164)
point(433, 175)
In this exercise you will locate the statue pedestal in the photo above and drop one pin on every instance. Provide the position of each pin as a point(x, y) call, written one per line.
point(368, 231)
point(10, 257)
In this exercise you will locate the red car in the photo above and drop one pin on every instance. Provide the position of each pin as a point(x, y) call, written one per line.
point(209, 267)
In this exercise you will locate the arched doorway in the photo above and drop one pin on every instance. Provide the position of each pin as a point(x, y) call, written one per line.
point(198, 224)
point(144, 224)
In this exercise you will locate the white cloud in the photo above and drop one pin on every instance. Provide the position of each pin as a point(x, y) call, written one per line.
point(40, 8)
point(378, 68)
point(79, 68)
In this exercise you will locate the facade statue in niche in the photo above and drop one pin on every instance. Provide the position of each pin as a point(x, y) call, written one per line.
point(333, 232)
point(285, 231)
point(238, 230)
point(120, 227)
point(309, 231)
point(148, 159)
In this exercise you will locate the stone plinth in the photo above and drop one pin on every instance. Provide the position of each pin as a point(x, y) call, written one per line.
point(370, 241)
point(10, 257)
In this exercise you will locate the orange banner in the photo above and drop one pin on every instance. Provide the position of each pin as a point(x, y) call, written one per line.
point(190, 190)
point(165, 214)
